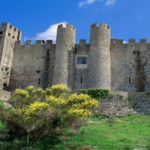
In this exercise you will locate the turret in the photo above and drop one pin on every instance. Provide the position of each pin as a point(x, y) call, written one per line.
point(65, 42)
point(99, 57)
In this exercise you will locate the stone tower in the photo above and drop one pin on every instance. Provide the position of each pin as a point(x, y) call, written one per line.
point(8, 36)
point(99, 57)
point(65, 42)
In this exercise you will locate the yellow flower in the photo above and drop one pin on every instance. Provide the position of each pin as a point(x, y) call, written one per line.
point(30, 88)
point(59, 90)
point(22, 93)
point(34, 109)
point(80, 113)
point(55, 100)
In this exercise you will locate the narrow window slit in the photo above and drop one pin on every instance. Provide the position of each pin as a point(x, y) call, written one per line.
point(39, 81)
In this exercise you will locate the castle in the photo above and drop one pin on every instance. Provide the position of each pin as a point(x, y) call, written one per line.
point(104, 63)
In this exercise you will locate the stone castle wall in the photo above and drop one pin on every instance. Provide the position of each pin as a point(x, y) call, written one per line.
point(110, 64)
point(32, 65)
point(130, 65)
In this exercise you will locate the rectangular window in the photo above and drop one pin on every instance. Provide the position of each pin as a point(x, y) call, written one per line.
point(82, 60)
point(1, 33)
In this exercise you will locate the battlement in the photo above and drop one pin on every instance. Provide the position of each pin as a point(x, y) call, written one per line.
point(117, 41)
point(68, 26)
point(9, 26)
point(131, 42)
point(49, 42)
point(28, 42)
point(38, 42)
point(143, 41)
point(5, 24)
point(82, 42)
point(102, 25)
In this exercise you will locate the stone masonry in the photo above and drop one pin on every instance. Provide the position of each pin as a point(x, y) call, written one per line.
point(102, 63)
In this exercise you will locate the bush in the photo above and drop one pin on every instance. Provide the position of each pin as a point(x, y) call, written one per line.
point(96, 93)
point(2, 127)
point(37, 113)
point(60, 90)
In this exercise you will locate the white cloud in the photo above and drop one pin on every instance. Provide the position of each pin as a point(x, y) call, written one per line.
point(50, 33)
point(110, 2)
point(88, 2)
point(125, 42)
point(82, 3)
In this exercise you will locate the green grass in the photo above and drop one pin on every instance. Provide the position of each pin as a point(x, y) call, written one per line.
point(126, 132)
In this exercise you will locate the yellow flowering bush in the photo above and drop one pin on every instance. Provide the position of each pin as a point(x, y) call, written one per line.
point(80, 113)
point(21, 93)
point(81, 105)
point(34, 110)
point(60, 90)
point(30, 88)
point(75, 98)
point(40, 112)
point(55, 101)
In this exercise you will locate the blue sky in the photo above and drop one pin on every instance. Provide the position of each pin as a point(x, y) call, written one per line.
point(39, 19)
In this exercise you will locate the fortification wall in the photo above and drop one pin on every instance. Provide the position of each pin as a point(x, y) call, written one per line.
point(79, 71)
point(130, 65)
point(32, 64)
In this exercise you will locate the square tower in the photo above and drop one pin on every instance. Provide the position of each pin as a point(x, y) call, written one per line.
point(8, 36)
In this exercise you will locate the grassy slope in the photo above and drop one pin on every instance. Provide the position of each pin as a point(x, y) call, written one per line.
point(123, 133)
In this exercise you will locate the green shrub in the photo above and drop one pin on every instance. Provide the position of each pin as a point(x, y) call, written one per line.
point(2, 127)
point(38, 113)
point(96, 93)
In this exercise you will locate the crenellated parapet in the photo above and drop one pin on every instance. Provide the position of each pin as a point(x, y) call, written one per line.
point(131, 42)
point(38, 42)
point(102, 25)
point(99, 35)
point(116, 41)
point(68, 26)
point(9, 26)
point(66, 36)
point(83, 44)
point(10, 31)
point(82, 47)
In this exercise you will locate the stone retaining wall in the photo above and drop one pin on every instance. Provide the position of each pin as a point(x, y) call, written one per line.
point(122, 103)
